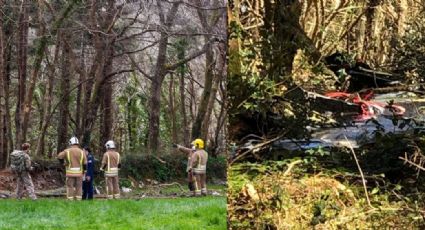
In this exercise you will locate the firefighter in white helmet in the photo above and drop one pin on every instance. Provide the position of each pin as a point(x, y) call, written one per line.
point(197, 165)
point(110, 165)
point(75, 162)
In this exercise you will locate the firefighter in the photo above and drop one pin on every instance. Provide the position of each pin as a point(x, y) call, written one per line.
point(89, 176)
point(110, 165)
point(21, 166)
point(190, 178)
point(197, 166)
point(75, 162)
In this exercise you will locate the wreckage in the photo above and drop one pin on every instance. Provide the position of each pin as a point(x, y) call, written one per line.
point(356, 117)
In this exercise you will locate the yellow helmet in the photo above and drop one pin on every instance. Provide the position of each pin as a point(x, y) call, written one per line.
point(198, 143)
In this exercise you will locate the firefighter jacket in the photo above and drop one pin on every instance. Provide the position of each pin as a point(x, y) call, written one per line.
point(75, 161)
point(110, 163)
point(199, 161)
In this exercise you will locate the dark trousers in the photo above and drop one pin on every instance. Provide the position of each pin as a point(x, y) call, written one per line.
point(87, 190)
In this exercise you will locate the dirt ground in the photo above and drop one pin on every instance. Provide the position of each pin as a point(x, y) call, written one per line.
point(43, 180)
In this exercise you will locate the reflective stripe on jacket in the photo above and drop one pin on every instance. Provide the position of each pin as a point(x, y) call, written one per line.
point(74, 170)
point(199, 163)
point(112, 165)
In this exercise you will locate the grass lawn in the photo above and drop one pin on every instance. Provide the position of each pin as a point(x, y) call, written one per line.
point(178, 213)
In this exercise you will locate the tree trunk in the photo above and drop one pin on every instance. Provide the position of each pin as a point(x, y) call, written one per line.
point(81, 88)
point(368, 38)
point(39, 55)
point(160, 72)
point(221, 121)
point(8, 32)
point(209, 66)
point(103, 42)
point(154, 113)
point(172, 110)
point(185, 124)
point(203, 105)
point(108, 119)
point(211, 101)
point(3, 128)
point(48, 97)
point(22, 69)
point(63, 136)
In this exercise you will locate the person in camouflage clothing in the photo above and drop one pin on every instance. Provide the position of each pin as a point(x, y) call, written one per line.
point(22, 175)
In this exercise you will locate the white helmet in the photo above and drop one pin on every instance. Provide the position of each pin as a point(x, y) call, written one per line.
point(73, 141)
point(110, 144)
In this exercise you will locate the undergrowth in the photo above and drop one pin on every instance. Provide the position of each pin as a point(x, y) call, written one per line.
point(268, 195)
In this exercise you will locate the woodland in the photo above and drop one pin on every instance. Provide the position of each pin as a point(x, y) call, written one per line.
point(145, 74)
point(279, 79)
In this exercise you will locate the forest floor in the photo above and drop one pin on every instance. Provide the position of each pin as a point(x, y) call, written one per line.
point(50, 183)
point(293, 194)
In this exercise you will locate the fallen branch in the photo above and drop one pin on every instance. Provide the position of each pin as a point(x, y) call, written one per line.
point(290, 166)
point(160, 160)
point(361, 173)
point(255, 148)
point(174, 183)
point(411, 162)
point(134, 182)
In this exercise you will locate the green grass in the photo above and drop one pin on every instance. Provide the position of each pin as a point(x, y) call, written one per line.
point(170, 190)
point(180, 213)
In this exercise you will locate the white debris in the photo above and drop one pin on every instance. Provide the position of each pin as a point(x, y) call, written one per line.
point(126, 190)
point(214, 193)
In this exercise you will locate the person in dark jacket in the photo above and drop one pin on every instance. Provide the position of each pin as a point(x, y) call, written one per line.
point(88, 178)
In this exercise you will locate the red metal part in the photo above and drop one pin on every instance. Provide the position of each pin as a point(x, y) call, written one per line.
point(368, 108)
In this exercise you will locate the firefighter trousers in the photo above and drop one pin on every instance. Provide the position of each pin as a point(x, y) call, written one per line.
point(112, 187)
point(74, 188)
point(201, 185)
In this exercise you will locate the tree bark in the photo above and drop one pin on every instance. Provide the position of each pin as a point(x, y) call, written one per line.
point(80, 97)
point(22, 69)
point(103, 42)
point(368, 38)
point(64, 105)
point(3, 128)
point(202, 113)
point(108, 119)
point(48, 97)
point(8, 32)
point(39, 55)
point(221, 121)
point(185, 124)
point(160, 72)
point(171, 95)
point(221, 56)
point(203, 105)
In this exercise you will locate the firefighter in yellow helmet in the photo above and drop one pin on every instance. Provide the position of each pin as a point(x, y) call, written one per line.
point(197, 165)
point(110, 165)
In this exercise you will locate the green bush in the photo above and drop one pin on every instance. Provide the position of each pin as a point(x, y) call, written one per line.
point(216, 167)
point(149, 167)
